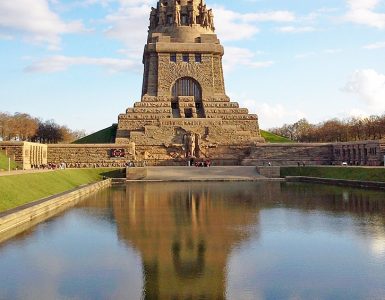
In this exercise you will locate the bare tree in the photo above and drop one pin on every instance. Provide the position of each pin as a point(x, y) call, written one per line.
point(335, 130)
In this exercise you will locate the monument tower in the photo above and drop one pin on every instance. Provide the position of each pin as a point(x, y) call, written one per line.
point(184, 110)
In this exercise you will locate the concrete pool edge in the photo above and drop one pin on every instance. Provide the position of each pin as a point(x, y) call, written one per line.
point(16, 220)
point(338, 182)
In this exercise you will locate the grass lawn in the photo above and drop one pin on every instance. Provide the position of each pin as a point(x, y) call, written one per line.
point(17, 190)
point(348, 173)
point(273, 138)
point(104, 136)
point(4, 162)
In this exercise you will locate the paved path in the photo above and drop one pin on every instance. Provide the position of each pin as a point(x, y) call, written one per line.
point(19, 172)
point(202, 174)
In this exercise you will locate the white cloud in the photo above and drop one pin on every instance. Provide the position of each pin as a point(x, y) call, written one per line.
point(242, 57)
point(35, 22)
point(129, 24)
point(273, 115)
point(234, 26)
point(295, 29)
point(363, 12)
point(75, 4)
point(62, 63)
point(378, 45)
point(230, 26)
point(356, 113)
point(368, 86)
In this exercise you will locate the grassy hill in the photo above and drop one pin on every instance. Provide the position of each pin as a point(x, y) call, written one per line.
point(104, 136)
point(4, 162)
point(273, 138)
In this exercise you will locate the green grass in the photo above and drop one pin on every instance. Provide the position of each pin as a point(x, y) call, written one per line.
point(4, 162)
point(348, 173)
point(104, 136)
point(17, 190)
point(273, 138)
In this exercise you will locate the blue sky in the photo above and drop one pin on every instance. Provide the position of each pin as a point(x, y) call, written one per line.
point(79, 62)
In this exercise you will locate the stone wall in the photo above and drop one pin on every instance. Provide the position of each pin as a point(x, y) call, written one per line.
point(257, 155)
point(361, 153)
point(91, 155)
point(99, 155)
point(269, 172)
point(290, 154)
point(27, 155)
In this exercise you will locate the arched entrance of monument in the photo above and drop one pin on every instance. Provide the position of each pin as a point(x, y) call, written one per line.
point(187, 86)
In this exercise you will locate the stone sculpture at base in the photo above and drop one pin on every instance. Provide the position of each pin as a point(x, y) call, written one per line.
point(183, 88)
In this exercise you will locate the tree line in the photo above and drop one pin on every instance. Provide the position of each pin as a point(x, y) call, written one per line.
point(24, 127)
point(335, 130)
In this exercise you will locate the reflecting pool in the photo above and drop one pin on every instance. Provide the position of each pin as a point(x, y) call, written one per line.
point(204, 241)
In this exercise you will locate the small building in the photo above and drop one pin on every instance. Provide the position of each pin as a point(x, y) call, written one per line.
point(27, 155)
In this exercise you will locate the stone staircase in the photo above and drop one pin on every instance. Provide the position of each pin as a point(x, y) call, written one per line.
point(233, 173)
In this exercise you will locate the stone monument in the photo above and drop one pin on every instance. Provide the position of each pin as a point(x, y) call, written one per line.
point(184, 110)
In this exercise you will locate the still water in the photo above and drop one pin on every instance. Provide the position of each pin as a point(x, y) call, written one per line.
point(204, 241)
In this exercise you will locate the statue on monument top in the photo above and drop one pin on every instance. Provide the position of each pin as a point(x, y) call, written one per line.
point(177, 9)
point(153, 18)
point(211, 19)
point(193, 13)
point(170, 13)
point(204, 16)
point(162, 14)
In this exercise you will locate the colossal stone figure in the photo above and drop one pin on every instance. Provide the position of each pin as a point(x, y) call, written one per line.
point(197, 150)
point(193, 13)
point(132, 149)
point(162, 14)
point(204, 17)
point(211, 19)
point(153, 17)
point(177, 9)
point(189, 144)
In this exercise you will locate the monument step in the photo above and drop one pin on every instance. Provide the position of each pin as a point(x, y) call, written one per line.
point(233, 173)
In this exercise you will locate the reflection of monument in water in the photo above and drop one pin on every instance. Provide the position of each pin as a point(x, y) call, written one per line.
point(184, 235)
point(183, 92)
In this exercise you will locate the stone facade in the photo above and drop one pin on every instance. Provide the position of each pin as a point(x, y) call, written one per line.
point(257, 155)
point(91, 156)
point(99, 155)
point(27, 155)
point(361, 153)
point(183, 94)
point(290, 154)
